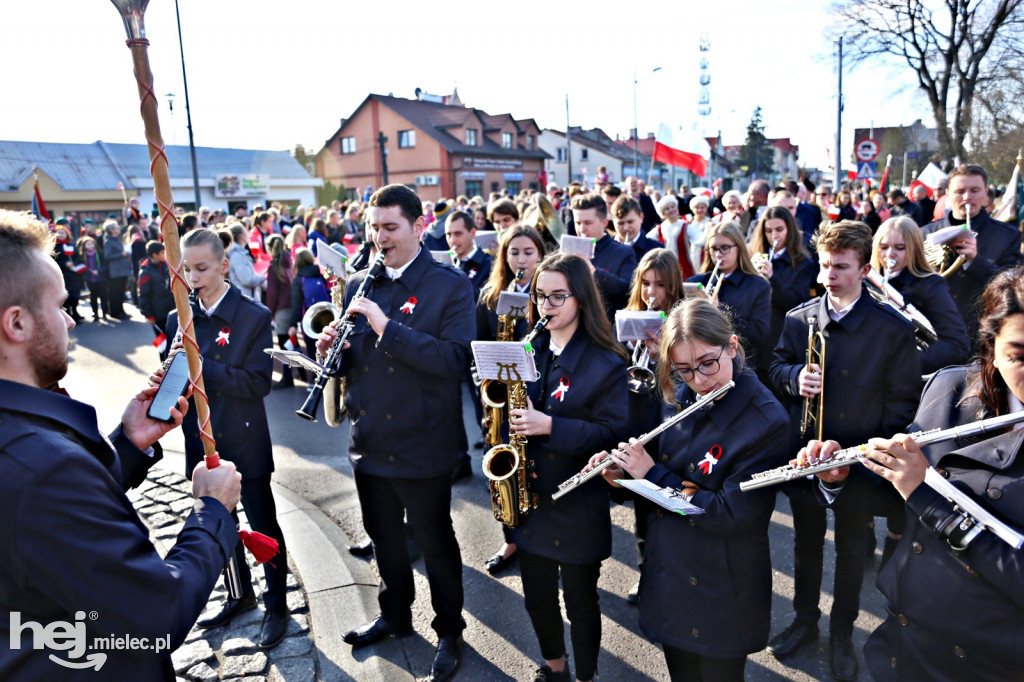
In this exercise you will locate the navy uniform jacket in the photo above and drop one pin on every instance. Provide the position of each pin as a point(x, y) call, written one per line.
point(706, 585)
point(998, 249)
point(487, 321)
point(155, 297)
point(70, 541)
point(790, 287)
point(650, 211)
point(403, 393)
point(808, 217)
point(643, 244)
point(478, 269)
point(961, 611)
point(614, 264)
point(237, 374)
point(748, 299)
point(590, 417)
point(930, 295)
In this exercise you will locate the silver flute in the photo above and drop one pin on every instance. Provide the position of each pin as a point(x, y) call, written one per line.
point(848, 456)
point(587, 474)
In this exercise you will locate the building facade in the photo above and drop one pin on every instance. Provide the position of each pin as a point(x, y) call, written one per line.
point(439, 149)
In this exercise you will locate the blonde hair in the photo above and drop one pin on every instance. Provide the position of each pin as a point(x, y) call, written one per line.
point(732, 232)
point(693, 319)
point(917, 264)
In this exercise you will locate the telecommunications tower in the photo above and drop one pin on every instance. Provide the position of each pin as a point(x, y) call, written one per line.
point(704, 101)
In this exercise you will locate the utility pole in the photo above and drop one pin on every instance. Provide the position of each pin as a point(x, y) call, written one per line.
point(188, 112)
point(839, 124)
point(568, 142)
point(382, 140)
point(636, 130)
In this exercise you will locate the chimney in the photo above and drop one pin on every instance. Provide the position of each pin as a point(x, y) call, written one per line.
point(650, 136)
point(632, 133)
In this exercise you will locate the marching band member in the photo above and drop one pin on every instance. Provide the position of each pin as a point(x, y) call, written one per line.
point(972, 634)
point(996, 246)
point(521, 248)
point(786, 264)
point(743, 289)
point(576, 407)
point(232, 330)
point(706, 585)
point(873, 374)
point(899, 240)
point(403, 369)
point(613, 263)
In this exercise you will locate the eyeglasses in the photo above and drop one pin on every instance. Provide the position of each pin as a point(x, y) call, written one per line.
point(707, 368)
point(722, 249)
point(555, 300)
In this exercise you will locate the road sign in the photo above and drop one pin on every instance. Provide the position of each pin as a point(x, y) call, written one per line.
point(866, 150)
point(866, 170)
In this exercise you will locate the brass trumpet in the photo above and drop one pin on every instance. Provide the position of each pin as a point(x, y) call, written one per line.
point(641, 378)
point(714, 284)
point(814, 406)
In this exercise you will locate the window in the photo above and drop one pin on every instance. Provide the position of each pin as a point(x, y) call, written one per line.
point(471, 137)
point(584, 154)
point(530, 142)
point(560, 155)
point(348, 145)
point(474, 188)
point(406, 139)
point(506, 140)
point(513, 186)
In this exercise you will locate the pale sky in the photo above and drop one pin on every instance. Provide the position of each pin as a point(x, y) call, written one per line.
point(267, 74)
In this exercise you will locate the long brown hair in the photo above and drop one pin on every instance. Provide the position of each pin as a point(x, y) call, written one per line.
point(501, 273)
point(666, 265)
point(794, 236)
point(1002, 299)
point(693, 319)
point(275, 247)
point(731, 231)
point(584, 289)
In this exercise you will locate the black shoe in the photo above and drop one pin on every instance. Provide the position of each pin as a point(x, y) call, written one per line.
point(463, 471)
point(792, 638)
point(447, 659)
point(887, 549)
point(231, 608)
point(375, 631)
point(634, 594)
point(546, 674)
point(842, 658)
point(363, 551)
point(275, 626)
point(497, 563)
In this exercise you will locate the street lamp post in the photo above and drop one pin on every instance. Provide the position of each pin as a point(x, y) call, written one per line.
point(188, 113)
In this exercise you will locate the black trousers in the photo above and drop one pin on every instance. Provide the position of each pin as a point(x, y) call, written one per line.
point(810, 524)
point(684, 666)
point(261, 511)
point(98, 298)
point(384, 502)
point(579, 590)
point(115, 294)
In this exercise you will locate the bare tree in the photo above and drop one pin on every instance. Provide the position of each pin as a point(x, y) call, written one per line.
point(953, 47)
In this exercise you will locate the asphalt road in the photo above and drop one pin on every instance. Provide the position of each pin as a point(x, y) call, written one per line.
point(110, 362)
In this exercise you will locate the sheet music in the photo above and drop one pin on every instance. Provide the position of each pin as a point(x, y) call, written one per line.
point(584, 246)
point(504, 361)
point(293, 358)
point(634, 325)
point(486, 240)
point(444, 257)
point(664, 497)
point(513, 303)
point(329, 258)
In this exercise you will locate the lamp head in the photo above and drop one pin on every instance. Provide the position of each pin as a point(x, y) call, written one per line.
point(133, 13)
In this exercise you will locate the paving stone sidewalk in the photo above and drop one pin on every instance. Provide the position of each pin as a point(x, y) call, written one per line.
point(228, 652)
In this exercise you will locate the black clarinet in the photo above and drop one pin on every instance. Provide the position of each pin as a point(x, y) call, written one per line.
point(332, 362)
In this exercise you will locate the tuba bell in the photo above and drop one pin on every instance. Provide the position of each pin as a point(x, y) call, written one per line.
point(544, 218)
point(317, 317)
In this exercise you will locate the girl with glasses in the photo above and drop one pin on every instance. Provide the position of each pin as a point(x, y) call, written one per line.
point(743, 291)
point(706, 582)
point(577, 407)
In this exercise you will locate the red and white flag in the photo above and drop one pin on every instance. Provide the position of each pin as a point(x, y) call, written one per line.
point(684, 150)
point(929, 179)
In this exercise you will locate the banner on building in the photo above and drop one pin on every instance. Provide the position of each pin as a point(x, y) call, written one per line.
point(235, 186)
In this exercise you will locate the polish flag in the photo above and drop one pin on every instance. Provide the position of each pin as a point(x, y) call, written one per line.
point(690, 151)
point(929, 179)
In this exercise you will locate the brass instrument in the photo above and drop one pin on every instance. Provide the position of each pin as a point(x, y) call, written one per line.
point(848, 456)
point(814, 406)
point(506, 466)
point(334, 389)
point(589, 473)
point(758, 259)
point(942, 257)
point(714, 283)
point(494, 394)
point(544, 218)
point(332, 362)
point(641, 378)
point(880, 289)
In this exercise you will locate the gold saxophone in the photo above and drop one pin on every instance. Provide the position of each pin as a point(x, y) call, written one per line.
point(493, 393)
point(505, 465)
